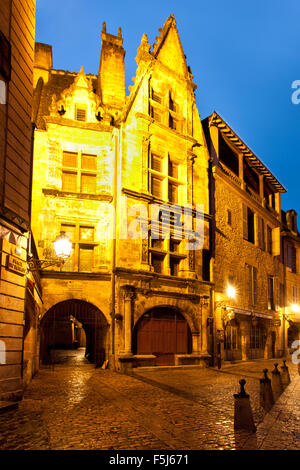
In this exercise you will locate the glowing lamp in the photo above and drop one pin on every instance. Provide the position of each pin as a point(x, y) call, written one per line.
point(231, 292)
point(62, 246)
point(295, 308)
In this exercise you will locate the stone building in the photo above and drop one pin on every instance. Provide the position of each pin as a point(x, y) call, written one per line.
point(17, 28)
point(121, 176)
point(290, 291)
point(180, 251)
point(246, 248)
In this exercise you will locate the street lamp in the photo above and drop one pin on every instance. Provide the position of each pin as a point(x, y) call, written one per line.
point(231, 292)
point(62, 247)
point(295, 308)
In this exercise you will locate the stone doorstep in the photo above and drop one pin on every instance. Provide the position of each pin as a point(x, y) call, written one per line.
point(8, 405)
point(156, 368)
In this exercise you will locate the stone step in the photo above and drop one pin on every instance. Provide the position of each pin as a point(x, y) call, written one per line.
point(8, 405)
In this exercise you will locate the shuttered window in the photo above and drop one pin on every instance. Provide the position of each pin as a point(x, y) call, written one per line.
point(173, 193)
point(86, 258)
point(156, 187)
point(88, 183)
point(271, 304)
point(69, 181)
point(156, 163)
point(261, 232)
point(70, 159)
point(88, 162)
point(80, 113)
point(82, 254)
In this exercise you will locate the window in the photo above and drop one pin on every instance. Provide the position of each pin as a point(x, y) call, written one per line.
point(79, 172)
point(5, 57)
point(166, 251)
point(82, 254)
point(156, 96)
point(269, 239)
point(157, 262)
point(163, 178)
point(163, 109)
point(257, 337)
point(80, 113)
point(252, 285)
point(248, 224)
point(281, 295)
point(229, 217)
point(291, 258)
point(271, 304)
point(261, 232)
point(172, 105)
point(295, 294)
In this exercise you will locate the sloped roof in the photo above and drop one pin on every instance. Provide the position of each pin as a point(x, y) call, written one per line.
point(254, 161)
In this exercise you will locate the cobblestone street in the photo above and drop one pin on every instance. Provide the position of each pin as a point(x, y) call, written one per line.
point(76, 406)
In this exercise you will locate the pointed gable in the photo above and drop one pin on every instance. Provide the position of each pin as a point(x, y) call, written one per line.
point(168, 48)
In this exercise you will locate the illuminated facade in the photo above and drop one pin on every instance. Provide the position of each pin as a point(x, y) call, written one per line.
point(252, 271)
point(19, 298)
point(102, 159)
point(102, 162)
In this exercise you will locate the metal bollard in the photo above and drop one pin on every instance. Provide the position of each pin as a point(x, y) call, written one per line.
point(243, 417)
point(285, 375)
point(266, 392)
point(277, 386)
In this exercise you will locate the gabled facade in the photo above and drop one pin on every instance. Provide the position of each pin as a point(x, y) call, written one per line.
point(246, 248)
point(103, 163)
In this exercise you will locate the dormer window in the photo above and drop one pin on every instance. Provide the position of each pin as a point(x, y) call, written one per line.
point(80, 113)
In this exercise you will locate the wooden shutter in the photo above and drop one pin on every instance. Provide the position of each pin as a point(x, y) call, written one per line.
point(88, 183)
point(69, 181)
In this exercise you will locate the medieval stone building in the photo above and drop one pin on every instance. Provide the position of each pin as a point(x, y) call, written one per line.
point(164, 212)
point(19, 297)
point(101, 160)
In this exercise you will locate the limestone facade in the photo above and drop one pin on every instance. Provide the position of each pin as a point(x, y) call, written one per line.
point(17, 28)
point(101, 162)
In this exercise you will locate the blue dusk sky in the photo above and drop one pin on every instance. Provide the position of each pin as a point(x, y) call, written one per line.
point(244, 56)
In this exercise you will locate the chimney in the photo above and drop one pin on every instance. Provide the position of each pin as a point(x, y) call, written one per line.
point(291, 221)
point(111, 76)
point(42, 62)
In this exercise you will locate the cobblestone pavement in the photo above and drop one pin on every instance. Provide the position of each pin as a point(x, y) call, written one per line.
point(76, 406)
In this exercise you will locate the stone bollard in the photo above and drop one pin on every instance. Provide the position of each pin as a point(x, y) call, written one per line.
point(243, 417)
point(285, 375)
point(266, 392)
point(277, 386)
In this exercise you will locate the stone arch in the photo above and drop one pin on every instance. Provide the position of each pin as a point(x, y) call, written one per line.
point(162, 331)
point(182, 306)
point(93, 322)
point(51, 300)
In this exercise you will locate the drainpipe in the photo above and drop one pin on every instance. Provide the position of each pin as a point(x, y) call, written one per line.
point(114, 247)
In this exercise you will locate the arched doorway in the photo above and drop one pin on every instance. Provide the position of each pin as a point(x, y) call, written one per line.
point(162, 332)
point(60, 328)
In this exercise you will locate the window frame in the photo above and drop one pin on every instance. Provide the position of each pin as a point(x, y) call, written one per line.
point(80, 171)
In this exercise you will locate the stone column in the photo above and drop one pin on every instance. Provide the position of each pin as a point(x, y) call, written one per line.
point(244, 340)
point(196, 343)
point(129, 293)
point(204, 308)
